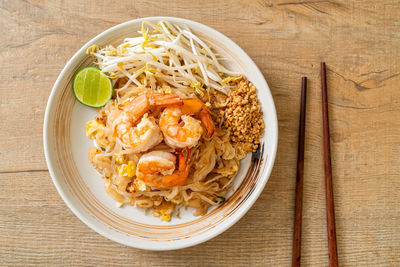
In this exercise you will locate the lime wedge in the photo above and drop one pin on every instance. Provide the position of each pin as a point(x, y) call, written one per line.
point(92, 87)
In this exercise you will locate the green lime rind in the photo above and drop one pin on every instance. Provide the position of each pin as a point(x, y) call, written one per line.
point(92, 87)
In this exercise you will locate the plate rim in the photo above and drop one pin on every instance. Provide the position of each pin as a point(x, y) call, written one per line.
point(173, 245)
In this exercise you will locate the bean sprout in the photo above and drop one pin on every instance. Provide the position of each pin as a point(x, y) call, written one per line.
point(168, 53)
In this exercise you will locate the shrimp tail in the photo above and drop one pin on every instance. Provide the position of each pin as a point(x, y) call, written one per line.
point(196, 106)
point(184, 163)
point(164, 100)
point(179, 176)
point(207, 121)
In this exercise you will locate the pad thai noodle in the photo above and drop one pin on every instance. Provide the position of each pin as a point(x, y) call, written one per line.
point(178, 124)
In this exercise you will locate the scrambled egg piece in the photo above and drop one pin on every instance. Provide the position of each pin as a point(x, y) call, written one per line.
point(164, 210)
point(135, 186)
point(128, 170)
point(92, 127)
point(120, 159)
point(140, 185)
point(167, 90)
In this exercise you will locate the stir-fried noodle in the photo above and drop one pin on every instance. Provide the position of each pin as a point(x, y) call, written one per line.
point(160, 143)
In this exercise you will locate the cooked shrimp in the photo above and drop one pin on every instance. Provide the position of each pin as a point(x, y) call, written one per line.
point(144, 136)
point(146, 133)
point(138, 106)
point(180, 129)
point(157, 169)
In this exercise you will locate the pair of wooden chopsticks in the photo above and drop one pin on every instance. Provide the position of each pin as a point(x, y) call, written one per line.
point(330, 210)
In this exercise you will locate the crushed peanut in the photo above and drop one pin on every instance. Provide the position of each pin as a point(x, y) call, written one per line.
point(243, 116)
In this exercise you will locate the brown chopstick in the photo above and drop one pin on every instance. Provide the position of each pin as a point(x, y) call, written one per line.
point(296, 249)
point(330, 209)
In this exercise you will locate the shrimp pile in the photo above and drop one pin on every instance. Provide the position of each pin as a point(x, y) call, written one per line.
point(158, 151)
point(160, 142)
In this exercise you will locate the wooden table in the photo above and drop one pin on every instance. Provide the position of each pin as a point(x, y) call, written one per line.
point(360, 42)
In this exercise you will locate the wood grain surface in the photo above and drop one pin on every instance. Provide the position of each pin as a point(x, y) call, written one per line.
point(359, 41)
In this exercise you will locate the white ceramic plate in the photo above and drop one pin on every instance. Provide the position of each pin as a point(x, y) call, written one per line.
point(66, 147)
